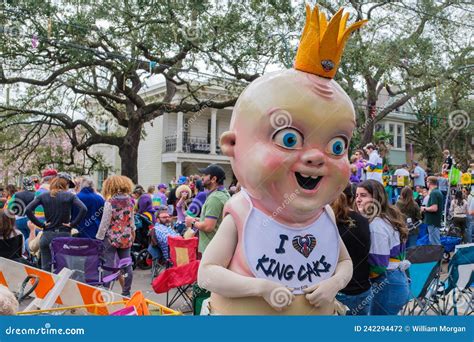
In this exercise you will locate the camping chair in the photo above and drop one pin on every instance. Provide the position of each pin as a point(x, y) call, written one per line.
point(423, 275)
point(183, 272)
point(458, 287)
point(84, 256)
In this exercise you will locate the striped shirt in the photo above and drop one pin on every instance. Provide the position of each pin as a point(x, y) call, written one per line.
point(386, 251)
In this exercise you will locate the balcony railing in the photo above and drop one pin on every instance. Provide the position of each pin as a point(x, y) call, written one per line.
point(190, 145)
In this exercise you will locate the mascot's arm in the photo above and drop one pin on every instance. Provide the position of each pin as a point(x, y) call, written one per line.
point(323, 294)
point(214, 276)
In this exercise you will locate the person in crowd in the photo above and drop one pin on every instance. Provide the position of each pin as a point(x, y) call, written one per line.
point(10, 191)
point(47, 176)
point(144, 203)
point(360, 163)
point(18, 203)
point(162, 230)
point(408, 207)
point(354, 231)
point(458, 211)
point(374, 165)
point(443, 186)
point(159, 199)
point(184, 193)
point(418, 174)
point(94, 203)
point(354, 179)
point(194, 209)
point(58, 204)
point(36, 181)
point(433, 211)
point(448, 162)
point(199, 185)
point(403, 179)
point(117, 227)
point(173, 183)
point(388, 233)
point(8, 303)
point(212, 211)
point(8, 229)
point(471, 215)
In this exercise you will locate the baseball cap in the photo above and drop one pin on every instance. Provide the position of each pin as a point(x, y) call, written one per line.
point(182, 180)
point(162, 186)
point(214, 170)
point(49, 173)
point(67, 177)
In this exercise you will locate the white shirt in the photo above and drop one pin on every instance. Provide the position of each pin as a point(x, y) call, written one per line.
point(401, 172)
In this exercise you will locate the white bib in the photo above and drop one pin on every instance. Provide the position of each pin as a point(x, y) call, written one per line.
point(294, 257)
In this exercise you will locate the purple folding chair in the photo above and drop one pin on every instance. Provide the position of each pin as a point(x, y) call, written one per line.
point(84, 256)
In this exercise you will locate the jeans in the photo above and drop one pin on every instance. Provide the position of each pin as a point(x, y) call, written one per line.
point(21, 224)
point(390, 293)
point(434, 235)
point(109, 256)
point(45, 249)
point(358, 304)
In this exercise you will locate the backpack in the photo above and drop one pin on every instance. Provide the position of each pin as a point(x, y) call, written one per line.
point(120, 230)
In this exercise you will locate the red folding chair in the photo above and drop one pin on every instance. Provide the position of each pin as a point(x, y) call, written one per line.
point(183, 271)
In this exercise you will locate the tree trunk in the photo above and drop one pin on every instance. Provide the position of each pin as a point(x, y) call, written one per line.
point(128, 151)
point(371, 112)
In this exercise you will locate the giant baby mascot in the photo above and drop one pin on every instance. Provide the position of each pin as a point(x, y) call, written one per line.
point(278, 250)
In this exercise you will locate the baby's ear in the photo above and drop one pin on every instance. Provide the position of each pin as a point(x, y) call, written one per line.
point(228, 143)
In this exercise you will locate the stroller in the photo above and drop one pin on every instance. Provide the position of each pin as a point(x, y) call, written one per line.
point(141, 258)
point(84, 256)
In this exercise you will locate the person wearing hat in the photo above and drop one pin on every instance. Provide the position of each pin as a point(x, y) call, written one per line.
point(144, 204)
point(159, 198)
point(18, 203)
point(57, 204)
point(212, 210)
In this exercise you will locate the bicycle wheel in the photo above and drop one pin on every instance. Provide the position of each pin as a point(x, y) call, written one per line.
point(144, 260)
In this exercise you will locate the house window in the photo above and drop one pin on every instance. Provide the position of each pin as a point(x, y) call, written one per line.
point(396, 130)
point(101, 176)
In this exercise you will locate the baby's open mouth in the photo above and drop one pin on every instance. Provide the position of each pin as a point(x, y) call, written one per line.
point(307, 182)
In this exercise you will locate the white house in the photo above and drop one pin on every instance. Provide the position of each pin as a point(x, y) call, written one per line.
point(176, 144)
point(396, 123)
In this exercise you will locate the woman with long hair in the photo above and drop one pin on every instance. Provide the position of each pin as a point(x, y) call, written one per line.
point(118, 224)
point(388, 234)
point(458, 212)
point(408, 207)
point(354, 231)
point(58, 203)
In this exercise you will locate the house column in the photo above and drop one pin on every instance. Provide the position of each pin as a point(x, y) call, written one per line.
point(178, 169)
point(179, 133)
point(213, 130)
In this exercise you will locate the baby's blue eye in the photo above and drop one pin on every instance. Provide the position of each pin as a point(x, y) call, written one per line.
point(337, 146)
point(288, 138)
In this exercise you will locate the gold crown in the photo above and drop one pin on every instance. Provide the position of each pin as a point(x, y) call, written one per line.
point(322, 43)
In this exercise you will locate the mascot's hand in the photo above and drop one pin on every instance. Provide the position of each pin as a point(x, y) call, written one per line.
point(279, 297)
point(322, 294)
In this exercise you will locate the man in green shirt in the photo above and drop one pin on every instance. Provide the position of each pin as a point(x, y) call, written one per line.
point(211, 213)
point(433, 211)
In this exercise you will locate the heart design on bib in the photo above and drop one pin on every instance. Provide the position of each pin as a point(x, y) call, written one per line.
point(304, 244)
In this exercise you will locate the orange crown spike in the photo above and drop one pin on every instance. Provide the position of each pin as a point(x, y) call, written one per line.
point(322, 42)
